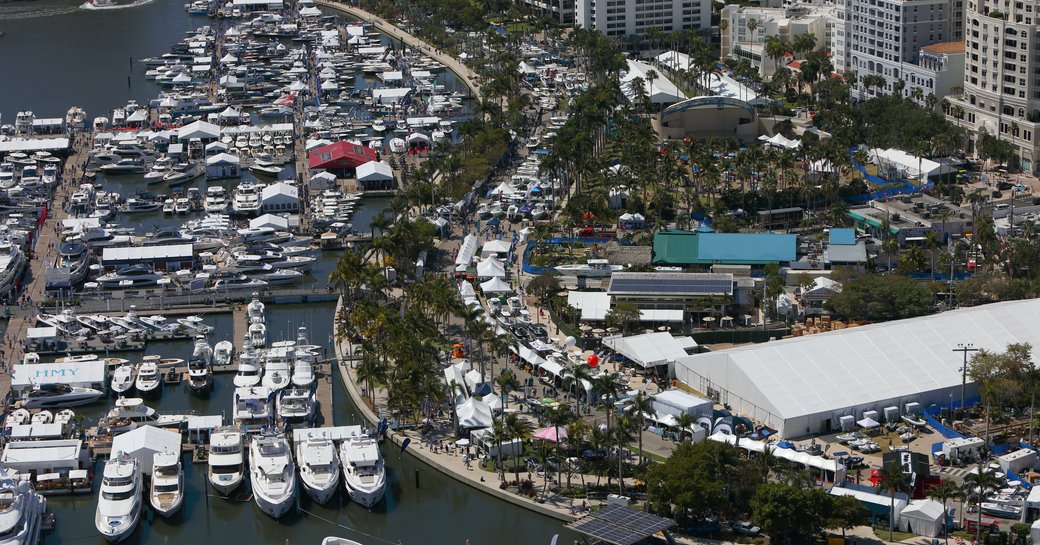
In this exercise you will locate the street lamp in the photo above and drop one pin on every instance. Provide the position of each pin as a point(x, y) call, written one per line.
point(964, 348)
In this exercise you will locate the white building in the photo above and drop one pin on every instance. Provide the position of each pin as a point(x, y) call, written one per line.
point(1002, 77)
point(280, 197)
point(617, 18)
point(885, 37)
point(560, 11)
point(804, 385)
point(740, 42)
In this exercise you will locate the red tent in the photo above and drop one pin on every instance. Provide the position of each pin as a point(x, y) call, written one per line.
point(339, 155)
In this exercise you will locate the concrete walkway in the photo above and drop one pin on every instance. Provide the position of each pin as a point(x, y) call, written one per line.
point(469, 77)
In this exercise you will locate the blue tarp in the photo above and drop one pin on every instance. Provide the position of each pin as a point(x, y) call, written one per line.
point(1011, 476)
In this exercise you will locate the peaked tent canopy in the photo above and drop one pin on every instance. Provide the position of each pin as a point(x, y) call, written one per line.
point(495, 285)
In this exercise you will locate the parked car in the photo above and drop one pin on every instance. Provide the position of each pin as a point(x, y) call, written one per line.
point(745, 528)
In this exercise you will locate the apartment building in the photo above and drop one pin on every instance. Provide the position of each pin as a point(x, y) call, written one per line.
point(561, 11)
point(619, 18)
point(741, 42)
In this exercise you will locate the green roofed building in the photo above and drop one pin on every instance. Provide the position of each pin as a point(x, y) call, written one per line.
point(677, 247)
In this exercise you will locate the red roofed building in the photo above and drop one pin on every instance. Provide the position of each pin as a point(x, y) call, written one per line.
point(340, 156)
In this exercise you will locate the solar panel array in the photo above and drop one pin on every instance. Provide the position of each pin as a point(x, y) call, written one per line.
point(620, 525)
point(697, 285)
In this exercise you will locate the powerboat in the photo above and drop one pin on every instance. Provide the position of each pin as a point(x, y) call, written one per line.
point(246, 201)
point(258, 334)
point(333, 540)
point(21, 511)
point(124, 167)
point(134, 410)
point(200, 367)
point(319, 463)
point(12, 263)
point(226, 462)
point(268, 171)
point(123, 378)
point(248, 366)
point(182, 173)
point(119, 503)
point(74, 256)
point(216, 200)
point(272, 474)
point(48, 396)
point(295, 406)
point(593, 268)
point(148, 378)
point(237, 283)
point(363, 472)
point(167, 493)
point(255, 310)
point(222, 353)
point(134, 276)
point(252, 408)
point(276, 365)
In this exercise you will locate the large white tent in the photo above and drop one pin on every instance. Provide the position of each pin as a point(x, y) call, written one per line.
point(659, 89)
point(495, 285)
point(374, 171)
point(198, 129)
point(144, 442)
point(923, 517)
point(804, 385)
point(650, 349)
point(490, 268)
point(676, 402)
point(474, 414)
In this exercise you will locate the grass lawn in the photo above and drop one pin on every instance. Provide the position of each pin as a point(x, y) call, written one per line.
point(882, 533)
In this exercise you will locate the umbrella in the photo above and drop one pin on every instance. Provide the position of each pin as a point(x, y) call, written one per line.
point(549, 434)
point(462, 443)
point(585, 328)
point(785, 444)
point(708, 318)
point(598, 331)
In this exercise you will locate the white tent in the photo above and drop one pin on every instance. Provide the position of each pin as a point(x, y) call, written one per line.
point(780, 141)
point(230, 113)
point(796, 385)
point(495, 285)
point(490, 268)
point(144, 442)
point(660, 89)
point(494, 247)
point(529, 355)
point(322, 181)
point(417, 137)
point(474, 414)
point(594, 305)
point(397, 145)
point(877, 500)
point(923, 517)
point(676, 402)
point(374, 171)
point(139, 116)
point(466, 290)
point(650, 349)
point(198, 129)
point(279, 223)
point(467, 250)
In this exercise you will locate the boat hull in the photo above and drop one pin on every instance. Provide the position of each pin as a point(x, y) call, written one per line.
point(225, 487)
point(320, 494)
point(367, 498)
point(274, 508)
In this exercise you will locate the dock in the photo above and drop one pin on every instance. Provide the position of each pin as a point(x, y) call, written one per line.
point(323, 392)
point(239, 327)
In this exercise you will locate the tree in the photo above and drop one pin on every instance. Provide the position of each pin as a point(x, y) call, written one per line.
point(558, 417)
point(641, 406)
point(544, 286)
point(880, 298)
point(978, 484)
point(847, 512)
point(622, 315)
point(893, 481)
point(507, 382)
point(789, 514)
point(518, 430)
point(685, 481)
point(685, 422)
point(943, 493)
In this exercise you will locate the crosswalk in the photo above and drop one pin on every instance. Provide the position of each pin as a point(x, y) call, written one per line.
point(957, 472)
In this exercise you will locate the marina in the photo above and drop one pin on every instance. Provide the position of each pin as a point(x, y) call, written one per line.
point(107, 261)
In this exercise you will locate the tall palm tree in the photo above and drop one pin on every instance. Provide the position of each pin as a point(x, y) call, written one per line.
point(621, 433)
point(576, 376)
point(518, 430)
point(500, 433)
point(507, 383)
point(978, 484)
point(641, 406)
point(608, 388)
point(558, 417)
point(685, 422)
point(943, 493)
point(893, 481)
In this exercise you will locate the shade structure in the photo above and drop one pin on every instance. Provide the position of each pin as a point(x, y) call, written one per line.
point(923, 517)
point(550, 434)
point(198, 129)
point(490, 268)
point(495, 285)
point(374, 171)
point(494, 402)
point(868, 423)
point(466, 290)
point(474, 414)
point(142, 443)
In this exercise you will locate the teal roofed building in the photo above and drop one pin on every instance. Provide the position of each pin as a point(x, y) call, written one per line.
point(677, 247)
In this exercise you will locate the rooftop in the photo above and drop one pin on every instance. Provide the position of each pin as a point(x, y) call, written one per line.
point(678, 247)
point(678, 284)
point(945, 47)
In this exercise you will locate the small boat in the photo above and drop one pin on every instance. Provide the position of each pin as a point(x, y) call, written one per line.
point(266, 171)
point(200, 370)
point(167, 493)
point(226, 462)
point(333, 540)
point(914, 420)
point(1002, 510)
point(18, 417)
point(119, 503)
point(222, 353)
point(148, 378)
point(43, 417)
point(123, 378)
point(319, 463)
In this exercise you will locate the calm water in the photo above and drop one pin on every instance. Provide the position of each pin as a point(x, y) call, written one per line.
point(47, 68)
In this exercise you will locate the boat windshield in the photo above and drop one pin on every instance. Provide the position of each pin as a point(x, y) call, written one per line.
point(225, 469)
point(117, 496)
point(166, 487)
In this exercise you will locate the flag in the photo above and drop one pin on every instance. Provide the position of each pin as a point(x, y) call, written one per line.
point(404, 444)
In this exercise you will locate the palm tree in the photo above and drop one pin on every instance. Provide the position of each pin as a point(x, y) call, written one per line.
point(752, 24)
point(371, 371)
point(607, 388)
point(893, 481)
point(979, 483)
point(622, 435)
point(685, 422)
point(556, 417)
point(641, 406)
point(499, 433)
point(518, 430)
point(577, 375)
point(944, 492)
point(507, 383)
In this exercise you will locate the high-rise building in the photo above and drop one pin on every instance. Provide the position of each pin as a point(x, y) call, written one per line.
point(618, 18)
point(743, 39)
point(1001, 90)
point(886, 37)
point(561, 11)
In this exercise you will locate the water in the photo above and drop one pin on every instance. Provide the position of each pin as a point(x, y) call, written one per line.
point(45, 70)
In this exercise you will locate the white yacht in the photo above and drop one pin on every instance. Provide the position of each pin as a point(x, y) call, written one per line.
point(255, 310)
point(319, 463)
point(119, 503)
point(123, 378)
point(278, 359)
point(252, 408)
point(226, 459)
point(593, 268)
point(333, 540)
point(167, 493)
point(200, 367)
point(148, 379)
point(48, 396)
point(246, 201)
point(296, 406)
point(303, 366)
point(182, 173)
point(248, 366)
point(272, 474)
point(258, 335)
point(12, 263)
point(134, 411)
point(222, 353)
point(134, 276)
point(216, 200)
point(21, 511)
point(363, 473)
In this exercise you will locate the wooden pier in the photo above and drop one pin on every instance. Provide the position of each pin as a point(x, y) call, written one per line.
point(239, 326)
point(323, 393)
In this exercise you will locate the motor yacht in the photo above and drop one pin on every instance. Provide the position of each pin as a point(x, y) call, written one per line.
point(223, 352)
point(200, 367)
point(182, 206)
point(119, 502)
point(252, 408)
point(278, 360)
point(363, 472)
point(134, 276)
point(124, 167)
point(238, 282)
point(12, 263)
point(138, 206)
point(133, 409)
point(75, 256)
point(319, 463)
point(248, 366)
point(296, 406)
point(246, 200)
point(216, 200)
point(167, 490)
point(148, 379)
point(255, 310)
point(258, 335)
point(272, 474)
point(21, 511)
point(593, 268)
point(182, 173)
point(123, 378)
point(48, 396)
point(268, 171)
point(226, 462)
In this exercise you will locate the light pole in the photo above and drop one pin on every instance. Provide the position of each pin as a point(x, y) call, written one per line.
point(964, 348)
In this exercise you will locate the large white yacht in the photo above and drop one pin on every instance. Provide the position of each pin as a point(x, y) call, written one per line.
point(295, 406)
point(363, 473)
point(319, 462)
point(200, 367)
point(255, 310)
point(167, 493)
point(226, 459)
point(49, 396)
point(246, 201)
point(119, 502)
point(133, 410)
point(248, 366)
point(148, 380)
point(303, 366)
point(272, 474)
point(252, 408)
point(134, 276)
point(277, 363)
point(12, 262)
point(21, 511)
